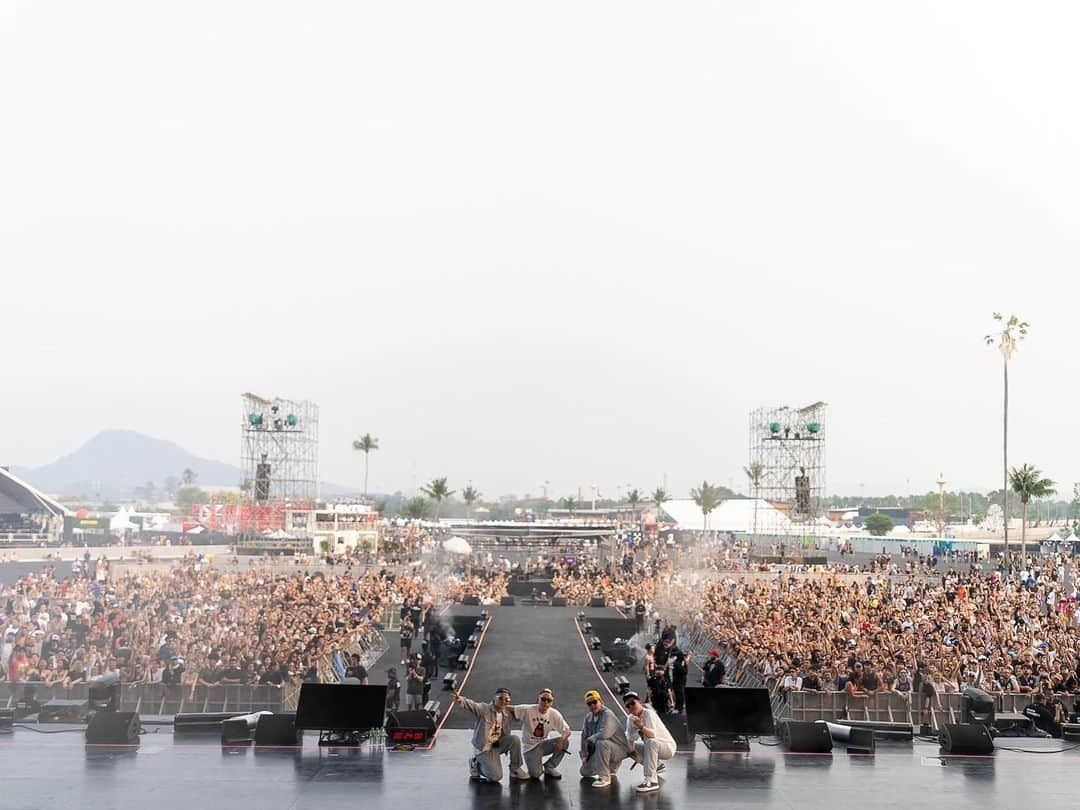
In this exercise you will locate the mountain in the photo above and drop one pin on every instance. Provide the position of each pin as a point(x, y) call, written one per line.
point(114, 462)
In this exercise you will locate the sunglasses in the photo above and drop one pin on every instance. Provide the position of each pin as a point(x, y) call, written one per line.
point(546, 700)
point(591, 702)
point(630, 703)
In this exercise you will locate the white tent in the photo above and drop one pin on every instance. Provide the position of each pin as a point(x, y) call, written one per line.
point(736, 515)
point(121, 522)
point(457, 545)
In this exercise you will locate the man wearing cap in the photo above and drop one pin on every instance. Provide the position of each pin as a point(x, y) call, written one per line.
point(492, 738)
point(537, 721)
point(712, 674)
point(603, 741)
point(647, 739)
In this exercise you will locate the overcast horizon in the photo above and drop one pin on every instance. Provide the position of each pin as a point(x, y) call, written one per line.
point(568, 243)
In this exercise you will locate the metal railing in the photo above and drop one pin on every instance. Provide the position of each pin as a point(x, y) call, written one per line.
point(893, 707)
point(156, 698)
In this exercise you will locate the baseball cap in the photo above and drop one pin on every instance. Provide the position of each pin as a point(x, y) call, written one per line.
point(630, 696)
point(714, 652)
point(592, 694)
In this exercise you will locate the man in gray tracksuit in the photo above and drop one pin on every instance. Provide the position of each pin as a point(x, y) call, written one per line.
point(603, 741)
point(492, 738)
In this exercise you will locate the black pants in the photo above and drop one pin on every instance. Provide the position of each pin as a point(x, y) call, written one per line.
point(680, 696)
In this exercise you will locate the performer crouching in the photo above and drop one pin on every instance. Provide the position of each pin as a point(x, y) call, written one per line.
point(492, 738)
point(537, 721)
point(648, 739)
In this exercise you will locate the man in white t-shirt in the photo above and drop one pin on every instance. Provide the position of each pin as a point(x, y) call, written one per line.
point(648, 740)
point(538, 720)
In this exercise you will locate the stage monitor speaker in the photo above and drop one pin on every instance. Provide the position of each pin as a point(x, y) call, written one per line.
point(415, 726)
point(7, 719)
point(470, 599)
point(861, 741)
point(278, 729)
point(972, 740)
point(200, 722)
point(113, 728)
point(805, 738)
point(597, 601)
point(558, 601)
point(63, 711)
point(506, 601)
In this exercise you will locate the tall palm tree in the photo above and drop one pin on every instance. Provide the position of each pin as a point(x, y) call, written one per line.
point(755, 472)
point(569, 503)
point(1028, 483)
point(438, 491)
point(633, 497)
point(707, 497)
point(365, 444)
point(660, 497)
point(1012, 332)
point(470, 496)
point(189, 477)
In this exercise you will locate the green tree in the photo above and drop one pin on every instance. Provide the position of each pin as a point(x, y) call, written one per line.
point(660, 497)
point(568, 503)
point(707, 497)
point(633, 497)
point(1028, 483)
point(878, 524)
point(189, 477)
point(1007, 339)
point(438, 491)
point(365, 444)
point(187, 497)
point(470, 495)
point(416, 508)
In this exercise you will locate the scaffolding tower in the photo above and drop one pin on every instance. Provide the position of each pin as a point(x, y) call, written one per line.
point(787, 467)
point(279, 451)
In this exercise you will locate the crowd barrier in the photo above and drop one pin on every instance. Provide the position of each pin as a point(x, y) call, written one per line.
point(155, 698)
point(892, 707)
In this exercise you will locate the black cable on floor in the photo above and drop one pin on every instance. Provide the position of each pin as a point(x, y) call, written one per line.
point(53, 731)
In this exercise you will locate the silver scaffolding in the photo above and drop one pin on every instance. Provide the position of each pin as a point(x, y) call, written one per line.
point(279, 450)
point(787, 451)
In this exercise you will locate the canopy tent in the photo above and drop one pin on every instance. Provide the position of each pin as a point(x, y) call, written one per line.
point(735, 515)
point(19, 498)
point(121, 522)
point(457, 545)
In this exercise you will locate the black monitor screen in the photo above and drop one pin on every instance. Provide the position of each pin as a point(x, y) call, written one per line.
point(340, 707)
point(725, 710)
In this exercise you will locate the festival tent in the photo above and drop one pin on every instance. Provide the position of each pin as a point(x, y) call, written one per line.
point(19, 498)
point(735, 515)
point(457, 545)
point(121, 522)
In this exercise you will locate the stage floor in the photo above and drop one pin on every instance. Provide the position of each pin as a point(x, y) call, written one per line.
point(59, 771)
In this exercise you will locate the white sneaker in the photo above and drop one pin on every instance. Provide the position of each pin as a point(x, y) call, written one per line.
point(520, 773)
point(660, 767)
point(601, 782)
point(551, 773)
point(647, 787)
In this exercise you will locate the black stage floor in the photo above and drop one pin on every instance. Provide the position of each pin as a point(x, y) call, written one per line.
point(524, 648)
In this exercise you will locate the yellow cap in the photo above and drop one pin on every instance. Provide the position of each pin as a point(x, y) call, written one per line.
point(592, 694)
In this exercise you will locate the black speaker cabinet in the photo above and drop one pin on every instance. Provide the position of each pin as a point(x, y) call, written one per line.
point(470, 599)
point(805, 738)
point(558, 601)
point(597, 601)
point(960, 739)
point(277, 729)
point(412, 727)
point(113, 728)
point(506, 600)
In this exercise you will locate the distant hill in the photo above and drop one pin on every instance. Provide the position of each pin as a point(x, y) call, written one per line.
point(115, 462)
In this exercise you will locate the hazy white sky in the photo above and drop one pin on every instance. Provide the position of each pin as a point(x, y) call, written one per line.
point(562, 241)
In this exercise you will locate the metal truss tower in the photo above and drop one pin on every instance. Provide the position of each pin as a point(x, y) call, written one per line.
point(279, 450)
point(787, 450)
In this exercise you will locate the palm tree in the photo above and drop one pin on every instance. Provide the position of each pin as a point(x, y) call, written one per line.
point(415, 508)
point(365, 444)
point(470, 496)
point(569, 503)
point(438, 491)
point(660, 497)
point(1012, 332)
point(633, 497)
point(1028, 483)
point(708, 498)
point(754, 472)
point(189, 477)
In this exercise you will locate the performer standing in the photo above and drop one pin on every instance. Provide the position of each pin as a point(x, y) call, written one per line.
point(492, 738)
point(537, 721)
